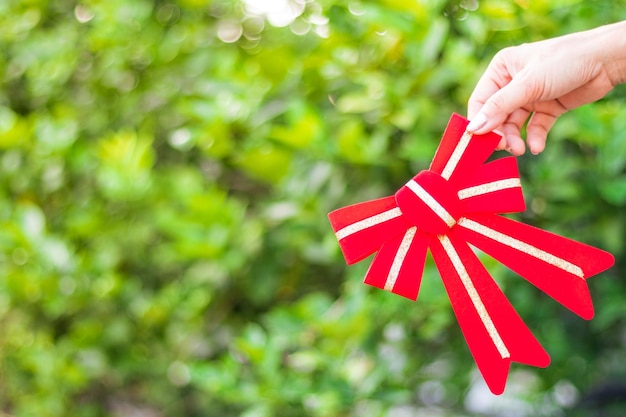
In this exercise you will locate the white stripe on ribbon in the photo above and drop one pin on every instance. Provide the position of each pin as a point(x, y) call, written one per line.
point(398, 260)
point(489, 187)
point(474, 296)
point(522, 247)
point(431, 202)
point(368, 222)
point(458, 152)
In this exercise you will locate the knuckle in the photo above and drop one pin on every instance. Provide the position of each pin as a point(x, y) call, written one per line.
point(497, 103)
point(505, 54)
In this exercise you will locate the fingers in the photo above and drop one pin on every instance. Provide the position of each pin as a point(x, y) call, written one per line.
point(537, 131)
point(547, 78)
point(511, 130)
point(507, 106)
point(502, 144)
point(501, 90)
point(496, 76)
point(501, 105)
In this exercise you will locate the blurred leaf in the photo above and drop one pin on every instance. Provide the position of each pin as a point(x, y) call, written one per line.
point(125, 160)
point(266, 162)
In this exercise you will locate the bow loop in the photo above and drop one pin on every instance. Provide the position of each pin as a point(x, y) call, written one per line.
point(458, 154)
point(399, 264)
point(494, 188)
point(362, 228)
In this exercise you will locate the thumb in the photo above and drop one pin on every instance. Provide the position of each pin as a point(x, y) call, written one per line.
point(500, 105)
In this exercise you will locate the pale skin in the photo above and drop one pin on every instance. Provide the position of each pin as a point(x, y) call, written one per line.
point(537, 82)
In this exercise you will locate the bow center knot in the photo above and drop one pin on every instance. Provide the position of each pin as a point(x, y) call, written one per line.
point(429, 202)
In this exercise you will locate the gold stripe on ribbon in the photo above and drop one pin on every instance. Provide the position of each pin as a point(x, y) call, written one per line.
point(489, 187)
point(522, 247)
point(431, 202)
point(458, 152)
point(368, 222)
point(474, 296)
point(398, 260)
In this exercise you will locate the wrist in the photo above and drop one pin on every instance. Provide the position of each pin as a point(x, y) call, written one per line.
point(613, 56)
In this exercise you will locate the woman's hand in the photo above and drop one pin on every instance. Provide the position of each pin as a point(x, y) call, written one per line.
point(543, 80)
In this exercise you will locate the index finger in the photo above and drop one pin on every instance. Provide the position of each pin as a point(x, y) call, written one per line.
point(493, 79)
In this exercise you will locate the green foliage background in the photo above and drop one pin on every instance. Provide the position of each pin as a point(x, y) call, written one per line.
point(165, 172)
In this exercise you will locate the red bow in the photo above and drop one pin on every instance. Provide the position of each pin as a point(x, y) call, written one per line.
point(454, 203)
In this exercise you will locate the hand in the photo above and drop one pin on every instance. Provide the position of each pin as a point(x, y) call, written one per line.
point(543, 80)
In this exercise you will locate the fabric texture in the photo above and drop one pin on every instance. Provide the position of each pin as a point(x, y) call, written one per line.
point(458, 201)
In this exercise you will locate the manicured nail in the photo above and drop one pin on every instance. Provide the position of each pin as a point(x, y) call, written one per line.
point(477, 122)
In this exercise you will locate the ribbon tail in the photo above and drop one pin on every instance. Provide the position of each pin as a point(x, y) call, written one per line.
point(556, 265)
point(495, 333)
point(361, 229)
point(399, 265)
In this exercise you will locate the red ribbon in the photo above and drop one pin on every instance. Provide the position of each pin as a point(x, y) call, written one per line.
point(456, 202)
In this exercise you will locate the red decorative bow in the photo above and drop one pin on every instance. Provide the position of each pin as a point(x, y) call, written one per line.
point(454, 203)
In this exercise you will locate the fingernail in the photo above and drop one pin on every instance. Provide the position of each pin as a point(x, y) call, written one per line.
point(477, 122)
